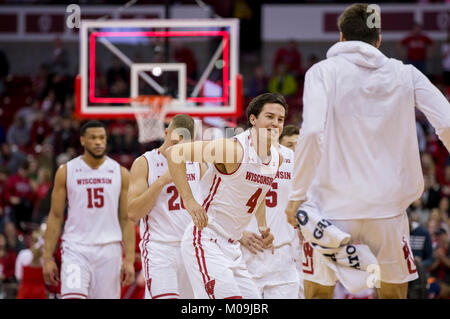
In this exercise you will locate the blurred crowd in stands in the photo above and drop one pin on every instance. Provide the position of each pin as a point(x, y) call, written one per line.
point(39, 131)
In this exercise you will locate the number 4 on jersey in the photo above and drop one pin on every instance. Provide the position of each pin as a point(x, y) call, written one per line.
point(253, 201)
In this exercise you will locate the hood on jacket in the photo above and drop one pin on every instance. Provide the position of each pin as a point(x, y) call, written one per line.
point(358, 52)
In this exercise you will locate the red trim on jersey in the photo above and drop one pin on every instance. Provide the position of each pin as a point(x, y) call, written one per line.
point(196, 254)
point(64, 296)
point(214, 194)
point(164, 295)
point(210, 190)
point(233, 297)
point(148, 170)
point(145, 255)
point(198, 246)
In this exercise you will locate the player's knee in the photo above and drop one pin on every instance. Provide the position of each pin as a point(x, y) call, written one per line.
point(393, 291)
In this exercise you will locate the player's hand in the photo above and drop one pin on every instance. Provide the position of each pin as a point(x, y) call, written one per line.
point(127, 273)
point(252, 242)
point(51, 273)
point(267, 238)
point(291, 210)
point(166, 178)
point(198, 214)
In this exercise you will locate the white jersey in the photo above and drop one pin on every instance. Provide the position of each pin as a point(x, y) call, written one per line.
point(357, 155)
point(276, 202)
point(93, 201)
point(168, 219)
point(231, 200)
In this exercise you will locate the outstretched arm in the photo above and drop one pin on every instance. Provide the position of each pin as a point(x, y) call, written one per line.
point(54, 223)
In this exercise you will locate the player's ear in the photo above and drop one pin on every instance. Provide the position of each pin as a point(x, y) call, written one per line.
point(82, 141)
point(377, 45)
point(252, 119)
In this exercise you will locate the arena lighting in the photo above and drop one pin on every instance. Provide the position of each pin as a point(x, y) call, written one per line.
point(225, 55)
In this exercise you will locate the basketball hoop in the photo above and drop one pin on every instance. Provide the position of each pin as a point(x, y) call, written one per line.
point(150, 112)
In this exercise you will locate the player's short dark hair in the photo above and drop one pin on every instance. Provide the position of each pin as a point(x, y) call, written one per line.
point(353, 23)
point(183, 121)
point(89, 124)
point(256, 105)
point(289, 130)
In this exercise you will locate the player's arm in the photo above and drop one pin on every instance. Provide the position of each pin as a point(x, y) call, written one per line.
point(308, 151)
point(267, 237)
point(220, 151)
point(433, 104)
point(128, 235)
point(141, 197)
point(54, 223)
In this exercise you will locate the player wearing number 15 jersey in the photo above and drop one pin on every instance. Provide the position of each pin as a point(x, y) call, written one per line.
point(95, 187)
point(232, 191)
point(154, 200)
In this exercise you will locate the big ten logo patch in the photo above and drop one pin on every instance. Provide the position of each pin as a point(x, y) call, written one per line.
point(308, 263)
point(73, 276)
point(408, 256)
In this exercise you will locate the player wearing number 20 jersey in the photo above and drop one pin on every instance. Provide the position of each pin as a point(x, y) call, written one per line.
point(161, 232)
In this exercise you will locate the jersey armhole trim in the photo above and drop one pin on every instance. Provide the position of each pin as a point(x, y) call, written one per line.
point(240, 164)
point(148, 168)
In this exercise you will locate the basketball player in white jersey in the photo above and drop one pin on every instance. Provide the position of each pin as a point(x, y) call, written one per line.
point(233, 190)
point(357, 158)
point(95, 187)
point(154, 200)
point(275, 273)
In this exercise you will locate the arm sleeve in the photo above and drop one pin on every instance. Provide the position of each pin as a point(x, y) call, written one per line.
point(308, 150)
point(434, 105)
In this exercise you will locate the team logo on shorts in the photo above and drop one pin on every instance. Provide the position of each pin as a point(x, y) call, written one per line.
point(408, 257)
point(209, 287)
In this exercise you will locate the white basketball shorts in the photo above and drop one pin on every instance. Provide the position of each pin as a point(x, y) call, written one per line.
point(91, 271)
point(387, 238)
point(215, 266)
point(165, 275)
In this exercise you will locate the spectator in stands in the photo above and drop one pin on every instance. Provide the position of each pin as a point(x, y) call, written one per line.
point(289, 56)
point(40, 82)
point(4, 71)
point(440, 268)
point(445, 50)
point(40, 129)
point(29, 112)
point(18, 133)
point(7, 261)
point(48, 102)
point(283, 82)
point(444, 181)
point(65, 136)
point(14, 241)
point(130, 144)
point(416, 45)
point(11, 157)
point(420, 241)
point(3, 178)
point(19, 196)
point(419, 210)
point(46, 157)
point(41, 189)
point(259, 82)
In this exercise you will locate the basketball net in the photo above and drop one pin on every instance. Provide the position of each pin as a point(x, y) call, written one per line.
point(150, 112)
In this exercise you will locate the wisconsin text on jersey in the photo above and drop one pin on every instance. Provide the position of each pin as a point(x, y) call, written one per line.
point(261, 179)
point(84, 181)
point(283, 175)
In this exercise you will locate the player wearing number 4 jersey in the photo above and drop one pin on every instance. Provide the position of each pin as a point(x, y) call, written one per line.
point(154, 200)
point(95, 187)
point(232, 191)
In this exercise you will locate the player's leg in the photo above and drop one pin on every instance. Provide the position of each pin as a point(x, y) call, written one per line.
point(184, 285)
point(106, 264)
point(207, 266)
point(75, 272)
point(388, 239)
point(159, 263)
point(318, 279)
point(392, 291)
point(314, 290)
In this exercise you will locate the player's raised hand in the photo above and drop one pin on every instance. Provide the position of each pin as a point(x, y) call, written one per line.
point(267, 238)
point(51, 273)
point(252, 242)
point(198, 214)
point(127, 273)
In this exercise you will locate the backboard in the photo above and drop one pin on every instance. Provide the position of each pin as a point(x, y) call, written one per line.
point(194, 61)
